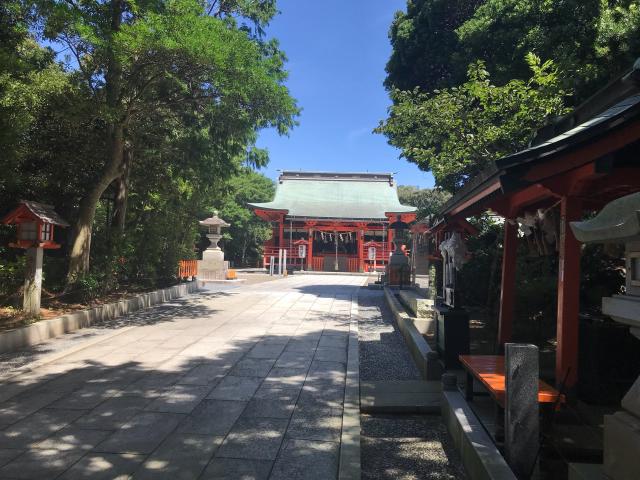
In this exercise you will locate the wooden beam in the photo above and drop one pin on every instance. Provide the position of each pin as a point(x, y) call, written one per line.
point(508, 284)
point(609, 143)
point(511, 205)
point(568, 294)
point(475, 198)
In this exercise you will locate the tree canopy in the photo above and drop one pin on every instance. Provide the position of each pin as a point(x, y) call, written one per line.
point(472, 81)
point(134, 118)
point(457, 131)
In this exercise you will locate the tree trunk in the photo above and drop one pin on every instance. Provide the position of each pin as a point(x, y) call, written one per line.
point(81, 245)
point(122, 192)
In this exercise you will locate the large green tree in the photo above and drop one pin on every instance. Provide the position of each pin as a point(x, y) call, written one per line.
point(245, 237)
point(425, 44)
point(589, 40)
point(203, 67)
point(456, 132)
point(427, 200)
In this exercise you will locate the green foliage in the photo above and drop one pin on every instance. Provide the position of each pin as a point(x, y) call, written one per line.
point(458, 131)
point(589, 40)
point(427, 200)
point(188, 83)
point(425, 44)
point(245, 237)
point(11, 273)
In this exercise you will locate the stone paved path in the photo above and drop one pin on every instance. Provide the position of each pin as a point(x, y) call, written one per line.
point(243, 384)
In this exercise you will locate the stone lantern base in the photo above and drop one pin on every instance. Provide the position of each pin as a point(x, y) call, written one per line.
point(212, 260)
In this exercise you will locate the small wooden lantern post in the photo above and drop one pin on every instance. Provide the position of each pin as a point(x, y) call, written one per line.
point(35, 222)
point(302, 251)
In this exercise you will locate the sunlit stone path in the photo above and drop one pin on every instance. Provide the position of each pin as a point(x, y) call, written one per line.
point(246, 383)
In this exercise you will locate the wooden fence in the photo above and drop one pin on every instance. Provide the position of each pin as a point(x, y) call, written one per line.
point(188, 268)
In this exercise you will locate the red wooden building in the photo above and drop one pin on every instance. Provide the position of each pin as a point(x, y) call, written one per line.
point(575, 166)
point(335, 215)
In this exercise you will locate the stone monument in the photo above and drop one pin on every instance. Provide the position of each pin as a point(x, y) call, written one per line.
point(619, 222)
point(213, 256)
point(398, 271)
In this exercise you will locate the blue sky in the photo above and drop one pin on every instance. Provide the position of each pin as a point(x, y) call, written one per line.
point(337, 51)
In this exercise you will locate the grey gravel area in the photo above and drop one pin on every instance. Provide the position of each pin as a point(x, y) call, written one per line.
point(383, 352)
point(11, 361)
point(407, 447)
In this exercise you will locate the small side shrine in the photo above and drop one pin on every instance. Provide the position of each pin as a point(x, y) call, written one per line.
point(35, 223)
point(619, 222)
point(213, 256)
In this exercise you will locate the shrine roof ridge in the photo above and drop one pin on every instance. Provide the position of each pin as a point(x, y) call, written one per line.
point(328, 176)
point(335, 195)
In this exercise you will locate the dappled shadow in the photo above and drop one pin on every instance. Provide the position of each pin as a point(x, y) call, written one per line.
point(165, 312)
point(193, 390)
point(383, 352)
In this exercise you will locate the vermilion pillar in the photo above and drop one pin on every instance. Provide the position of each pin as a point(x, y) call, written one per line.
point(281, 232)
point(389, 243)
point(310, 251)
point(568, 294)
point(508, 285)
point(361, 250)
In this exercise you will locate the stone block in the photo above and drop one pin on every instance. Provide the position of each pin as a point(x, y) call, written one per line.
point(622, 446)
point(521, 424)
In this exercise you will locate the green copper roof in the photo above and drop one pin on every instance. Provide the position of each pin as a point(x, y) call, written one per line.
point(356, 196)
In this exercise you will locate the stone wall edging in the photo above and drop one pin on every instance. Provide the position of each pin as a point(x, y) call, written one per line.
point(480, 457)
point(350, 459)
point(424, 358)
point(36, 333)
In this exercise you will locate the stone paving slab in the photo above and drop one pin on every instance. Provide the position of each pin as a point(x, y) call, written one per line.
point(248, 383)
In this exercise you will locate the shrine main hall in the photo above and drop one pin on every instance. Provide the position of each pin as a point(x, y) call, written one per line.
point(342, 219)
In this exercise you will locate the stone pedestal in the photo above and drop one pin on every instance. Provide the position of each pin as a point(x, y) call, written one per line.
point(212, 260)
point(452, 334)
point(398, 270)
point(33, 281)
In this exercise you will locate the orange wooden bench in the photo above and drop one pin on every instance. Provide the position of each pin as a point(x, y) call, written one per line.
point(489, 370)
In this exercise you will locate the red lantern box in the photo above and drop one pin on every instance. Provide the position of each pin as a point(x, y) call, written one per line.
point(36, 222)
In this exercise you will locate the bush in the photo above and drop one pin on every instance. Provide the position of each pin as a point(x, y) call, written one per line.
point(11, 273)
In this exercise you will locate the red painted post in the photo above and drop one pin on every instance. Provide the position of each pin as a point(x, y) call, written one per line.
point(310, 251)
point(281, 232)
point(361, 250)
point(389, 244)
point(568, 294)
point(508, 284)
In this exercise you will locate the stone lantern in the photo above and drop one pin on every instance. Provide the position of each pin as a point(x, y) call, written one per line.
point(619, 222)
point(35, 222)
point(398, 272)
point(213, 256)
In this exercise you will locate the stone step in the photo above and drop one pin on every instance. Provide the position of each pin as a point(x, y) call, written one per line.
point(400, 396)
point(586, 471)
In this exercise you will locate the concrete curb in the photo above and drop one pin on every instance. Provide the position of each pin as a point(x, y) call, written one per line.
point(480, 457)
point(353, 274)
point(18, 338)
point(350, 466)
point(425, 359)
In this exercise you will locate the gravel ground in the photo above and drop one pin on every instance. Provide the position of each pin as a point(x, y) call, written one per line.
point(407, 447)
point(397, 447)
point(383, 352)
